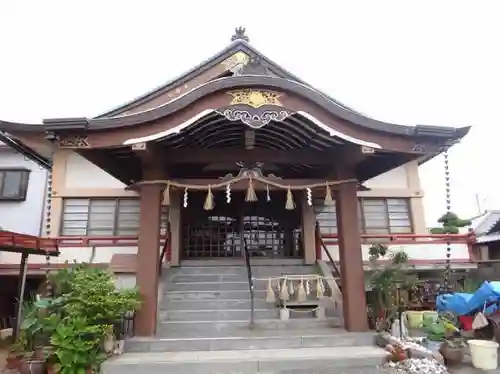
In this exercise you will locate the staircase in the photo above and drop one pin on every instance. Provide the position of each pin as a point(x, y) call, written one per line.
point(203, 327)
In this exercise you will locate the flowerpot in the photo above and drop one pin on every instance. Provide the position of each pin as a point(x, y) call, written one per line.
point(452, 356)
point(13, 362)
point(51, 369)
point(430, 316)
point(415, 319)
point(32, 366)
point(433, 346)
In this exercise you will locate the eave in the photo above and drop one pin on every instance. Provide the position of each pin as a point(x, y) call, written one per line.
point(235, 82)
point(26, 151)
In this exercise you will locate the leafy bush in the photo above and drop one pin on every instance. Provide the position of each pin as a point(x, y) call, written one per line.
point(76, 318)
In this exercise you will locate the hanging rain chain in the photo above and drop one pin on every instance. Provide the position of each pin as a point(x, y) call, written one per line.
point(52, 138)
point(228, 193)
point(309, 197)
point(448, 211)
point(185, 204)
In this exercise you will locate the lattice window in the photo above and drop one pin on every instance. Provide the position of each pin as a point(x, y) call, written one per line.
point(376, 216)
point(104, 217)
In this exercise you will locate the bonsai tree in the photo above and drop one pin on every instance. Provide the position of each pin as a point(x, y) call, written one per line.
point(387, 281)
point(450, 223)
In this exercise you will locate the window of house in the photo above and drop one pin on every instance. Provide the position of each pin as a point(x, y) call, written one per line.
point(376, 216)
point(103, 217)
point(13, 184)
point(326, 215)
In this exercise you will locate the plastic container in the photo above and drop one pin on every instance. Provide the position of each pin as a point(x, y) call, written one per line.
point(415, 319)
point(430, 316)
point(484, 354)
point(433, 346)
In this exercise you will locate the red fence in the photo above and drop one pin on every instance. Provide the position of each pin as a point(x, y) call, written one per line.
point(15, 242)
point(331, 239)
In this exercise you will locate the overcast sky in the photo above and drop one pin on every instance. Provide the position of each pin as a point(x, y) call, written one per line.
point(433, 62)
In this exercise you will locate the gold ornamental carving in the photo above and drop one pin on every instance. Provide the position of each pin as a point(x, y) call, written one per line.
point(77, 141)
point(255, 98)
point(239, 58)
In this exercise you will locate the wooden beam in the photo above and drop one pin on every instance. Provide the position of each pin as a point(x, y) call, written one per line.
point(125, 173)
point(294, 156)
point(149, 153)
point(243, 184)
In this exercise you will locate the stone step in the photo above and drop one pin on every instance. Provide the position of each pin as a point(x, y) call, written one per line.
point(214, 286)
point(216, 315)
point(245, 361)
point(211, 295)
point(257, 271)
point(254, 340)
point(207, 328)
point(218, 304)
point(187, 278)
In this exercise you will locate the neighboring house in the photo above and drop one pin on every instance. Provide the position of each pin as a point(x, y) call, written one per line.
point(237, 111)
point(22, 191)
point(487, 230)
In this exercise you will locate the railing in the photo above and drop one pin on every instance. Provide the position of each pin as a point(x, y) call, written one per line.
point(127, 326)
point(165, 251)
point(467, 239)
point(251, 284)
point(329, 239)
point(320, 244)
point(100, 241)
point(16, 241)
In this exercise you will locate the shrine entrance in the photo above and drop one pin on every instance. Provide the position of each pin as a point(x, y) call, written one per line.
point(270, 230)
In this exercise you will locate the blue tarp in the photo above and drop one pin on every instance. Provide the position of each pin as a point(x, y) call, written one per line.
point(466, 303)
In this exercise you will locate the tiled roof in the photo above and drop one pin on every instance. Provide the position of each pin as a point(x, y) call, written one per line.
point(488, 238)
point(482, 225)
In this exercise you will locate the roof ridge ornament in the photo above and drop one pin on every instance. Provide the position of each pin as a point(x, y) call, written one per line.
point(239, 34)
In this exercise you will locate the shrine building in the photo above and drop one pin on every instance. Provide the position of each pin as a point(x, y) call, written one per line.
point(236, 151)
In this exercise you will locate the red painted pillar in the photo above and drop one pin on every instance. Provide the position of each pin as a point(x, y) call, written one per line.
point(148, 258)
point(351, 259)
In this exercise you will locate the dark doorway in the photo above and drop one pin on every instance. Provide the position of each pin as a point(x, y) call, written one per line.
point(270, 230)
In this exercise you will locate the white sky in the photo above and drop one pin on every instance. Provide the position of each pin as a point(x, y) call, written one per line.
point(421, 62)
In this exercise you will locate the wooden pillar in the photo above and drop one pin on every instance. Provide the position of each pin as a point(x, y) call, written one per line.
point(175, 226)
point(148, 258)
point(308, 233)
point(351, 259)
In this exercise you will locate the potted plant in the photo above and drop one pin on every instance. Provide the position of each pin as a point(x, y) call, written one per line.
point(386, 283)
point(16, 353)
point(435, 334)
point(452, 350)
point(30, 328)
point(77, 346)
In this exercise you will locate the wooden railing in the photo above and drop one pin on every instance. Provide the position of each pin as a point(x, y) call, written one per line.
point(328, 239)
point(467, 238)
point(14, 241)
point(403, 239)
point(101, 241)
point(251, 285)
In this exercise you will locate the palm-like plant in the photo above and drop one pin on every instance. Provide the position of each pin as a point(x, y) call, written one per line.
point(387, 281)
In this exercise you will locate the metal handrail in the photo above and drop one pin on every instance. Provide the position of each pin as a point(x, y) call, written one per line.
point(164, 250)
point(319, 239)
point(251, 284)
